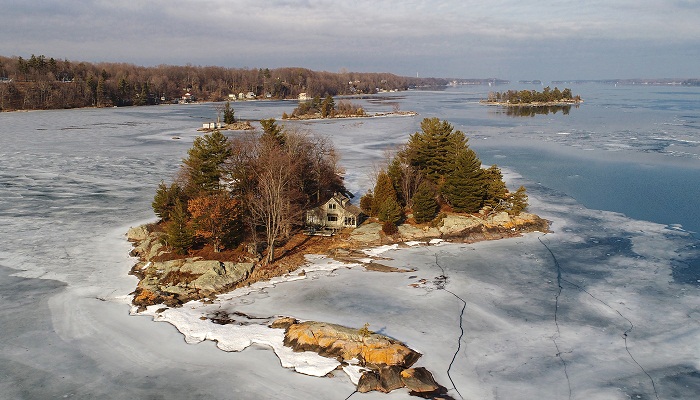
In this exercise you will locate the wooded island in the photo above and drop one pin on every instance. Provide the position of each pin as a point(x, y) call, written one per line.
point(547, 97)
point(254, 203)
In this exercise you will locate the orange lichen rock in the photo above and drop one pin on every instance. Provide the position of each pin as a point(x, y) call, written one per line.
point(345, 343)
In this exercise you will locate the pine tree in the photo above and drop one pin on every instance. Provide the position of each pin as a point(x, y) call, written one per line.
point(433, 150)
point(165, 199)
point(495, 187)
point(327, 107)
point(383, 191)
point(395, 173)
point(425, 206)
point(273, 131)
point(229, 114)
point(366, 203)
point(390, 211)
point(518, 201)
point(205, 161)
point(179, 235)
point(464, 187)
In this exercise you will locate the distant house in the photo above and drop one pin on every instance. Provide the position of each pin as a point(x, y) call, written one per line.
point(303, 97)
point(187, 98)
point(250, 95)
point(336, 213)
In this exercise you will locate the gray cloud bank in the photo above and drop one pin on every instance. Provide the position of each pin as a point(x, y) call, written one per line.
point(504, 38)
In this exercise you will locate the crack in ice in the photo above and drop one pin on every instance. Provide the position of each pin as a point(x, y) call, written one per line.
point(556, 315)
point(441, 286)
point(624, 334)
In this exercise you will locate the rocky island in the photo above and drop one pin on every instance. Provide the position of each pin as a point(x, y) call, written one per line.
point(249, 211)
point(327, 109)
point(532, 98)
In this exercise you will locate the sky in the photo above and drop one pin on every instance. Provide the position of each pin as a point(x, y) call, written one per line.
point(507, 39)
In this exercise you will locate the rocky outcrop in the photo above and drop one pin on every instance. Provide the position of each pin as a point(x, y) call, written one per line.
point(414, 232)
point(463, 227)
point(175, 282)
point(137, 233)
point(367, 233)
point(387, 360)
point(330, 340)
point(419, 380)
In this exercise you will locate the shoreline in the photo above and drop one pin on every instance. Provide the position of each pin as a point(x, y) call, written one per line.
point(165, 277)
point(203, 320)
point(216, 317)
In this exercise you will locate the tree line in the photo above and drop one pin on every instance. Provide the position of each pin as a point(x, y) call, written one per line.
point(254, 188)
point(48, 83)
point(257, 186)
point(436, 170)
point(547, 95)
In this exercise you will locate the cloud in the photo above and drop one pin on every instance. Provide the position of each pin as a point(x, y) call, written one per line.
point(362, 32)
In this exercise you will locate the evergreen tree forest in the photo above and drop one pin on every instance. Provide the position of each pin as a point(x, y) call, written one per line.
point(41, 82)
point(436, 170)
point(253, 188)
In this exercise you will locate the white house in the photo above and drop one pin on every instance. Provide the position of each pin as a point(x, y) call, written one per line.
point(336, 213)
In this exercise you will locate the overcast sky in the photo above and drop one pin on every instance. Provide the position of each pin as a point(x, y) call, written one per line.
point(510, 39)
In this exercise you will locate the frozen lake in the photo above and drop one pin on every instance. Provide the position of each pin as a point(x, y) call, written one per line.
point(607, 306)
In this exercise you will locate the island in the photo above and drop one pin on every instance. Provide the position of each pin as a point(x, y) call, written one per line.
point(253, 208)
point(533, 98)
point(316, 108)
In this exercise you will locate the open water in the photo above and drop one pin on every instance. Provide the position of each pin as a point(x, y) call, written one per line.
point(619, 176)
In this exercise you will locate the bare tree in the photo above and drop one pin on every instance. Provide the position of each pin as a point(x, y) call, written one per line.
point(271, 200)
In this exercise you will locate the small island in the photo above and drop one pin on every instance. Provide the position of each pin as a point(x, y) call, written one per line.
point(532, 98)
point(316, 108)
point(252, 208)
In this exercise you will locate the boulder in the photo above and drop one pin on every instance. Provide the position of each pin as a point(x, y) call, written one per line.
point(419, 380)
point(156, 249)
point(390, 378)
point(192, 278)
point(283, 322)
point(369, 381)
point(137, 234)
point(502, 218)
point(453, 224)
point(411, 232)
point(345, 343)
point(367, 233)
point(215, 276)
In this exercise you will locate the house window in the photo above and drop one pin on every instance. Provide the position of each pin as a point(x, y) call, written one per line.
point(331, 206)
point(332, 218)
point(349, 221)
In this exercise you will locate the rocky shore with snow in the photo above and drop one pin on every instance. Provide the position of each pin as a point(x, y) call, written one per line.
point(192, 294)
point(174, 282)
